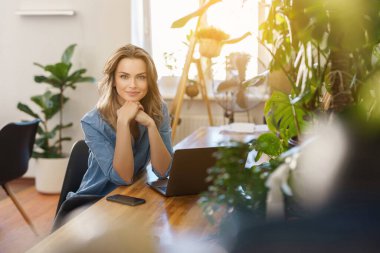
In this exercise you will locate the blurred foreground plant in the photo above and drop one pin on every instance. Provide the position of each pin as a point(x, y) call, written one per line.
point(235, 186)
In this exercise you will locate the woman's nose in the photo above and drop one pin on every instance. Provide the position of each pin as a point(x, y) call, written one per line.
point(132, 82)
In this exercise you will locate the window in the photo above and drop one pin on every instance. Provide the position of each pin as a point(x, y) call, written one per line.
point(169, 41)
point(234, 17)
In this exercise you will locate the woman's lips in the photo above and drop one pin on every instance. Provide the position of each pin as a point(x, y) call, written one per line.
point(133, 94)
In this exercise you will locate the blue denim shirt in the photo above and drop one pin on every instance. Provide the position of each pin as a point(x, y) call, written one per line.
point(101, 178)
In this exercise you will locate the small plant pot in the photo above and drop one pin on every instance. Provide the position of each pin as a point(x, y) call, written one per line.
point(210, 48)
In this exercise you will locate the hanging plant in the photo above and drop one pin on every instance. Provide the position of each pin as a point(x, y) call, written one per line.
point(211, 41)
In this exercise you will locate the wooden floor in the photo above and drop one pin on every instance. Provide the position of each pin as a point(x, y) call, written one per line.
point(15, 234)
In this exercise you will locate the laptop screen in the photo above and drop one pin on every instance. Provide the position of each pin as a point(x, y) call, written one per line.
point(188, 172)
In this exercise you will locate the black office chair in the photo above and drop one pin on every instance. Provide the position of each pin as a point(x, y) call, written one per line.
point(76, 168)
point(16, 147)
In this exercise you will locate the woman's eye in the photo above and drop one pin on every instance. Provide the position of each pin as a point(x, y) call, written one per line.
point(123, 76)
point(141, 77)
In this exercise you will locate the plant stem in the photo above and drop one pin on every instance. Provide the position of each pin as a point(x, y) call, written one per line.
point(60, 121)
point(295, 118)
point(281, 66)
point(340, 87)
point(45, 126)
point(318, 92)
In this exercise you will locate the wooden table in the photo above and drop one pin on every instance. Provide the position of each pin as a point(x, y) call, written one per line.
point(160, 219)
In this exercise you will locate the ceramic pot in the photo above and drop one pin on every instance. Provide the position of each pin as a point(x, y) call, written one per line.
point(210, 47)
point(50, 173)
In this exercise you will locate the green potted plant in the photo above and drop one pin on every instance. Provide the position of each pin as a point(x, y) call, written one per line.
point(49, 139)
point(328, 51)
point(326, 59)
point(169, 81)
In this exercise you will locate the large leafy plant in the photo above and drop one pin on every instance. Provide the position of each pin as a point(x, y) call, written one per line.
point(59, 77)
point(326, 49)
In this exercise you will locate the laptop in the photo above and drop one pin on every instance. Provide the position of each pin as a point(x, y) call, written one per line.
point(188, 172)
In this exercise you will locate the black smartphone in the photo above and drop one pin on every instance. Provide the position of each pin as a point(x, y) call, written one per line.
point(126, 200)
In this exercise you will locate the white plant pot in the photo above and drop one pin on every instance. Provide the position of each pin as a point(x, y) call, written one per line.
point(50, 173)
point(168, 85)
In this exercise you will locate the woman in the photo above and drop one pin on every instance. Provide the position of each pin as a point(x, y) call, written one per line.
point(129, 127)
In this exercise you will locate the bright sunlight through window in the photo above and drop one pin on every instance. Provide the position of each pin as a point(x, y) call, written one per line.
point(169, 46)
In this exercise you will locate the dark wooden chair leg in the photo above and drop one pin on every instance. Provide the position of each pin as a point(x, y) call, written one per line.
point(20, 209)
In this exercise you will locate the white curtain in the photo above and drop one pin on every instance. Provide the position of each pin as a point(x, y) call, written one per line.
point(140, 22)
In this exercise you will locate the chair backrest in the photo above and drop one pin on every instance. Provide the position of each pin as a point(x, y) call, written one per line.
point(76, 168)
point(16, 148)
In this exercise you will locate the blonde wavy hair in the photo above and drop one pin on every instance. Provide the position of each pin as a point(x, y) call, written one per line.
point(108, 103)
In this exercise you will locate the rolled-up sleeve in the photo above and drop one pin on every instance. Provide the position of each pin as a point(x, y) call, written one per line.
point(166, 135)
point(103, 152)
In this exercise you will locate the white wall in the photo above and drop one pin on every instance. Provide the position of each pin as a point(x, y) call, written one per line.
point(98, 28)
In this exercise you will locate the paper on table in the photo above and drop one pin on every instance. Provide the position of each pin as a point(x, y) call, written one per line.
point(261, 128)
point(244, 128)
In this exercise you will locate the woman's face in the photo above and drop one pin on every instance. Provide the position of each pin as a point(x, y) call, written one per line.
point(131, 80)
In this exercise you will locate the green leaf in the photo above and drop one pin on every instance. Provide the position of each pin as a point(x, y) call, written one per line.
point(280, 116)
point(40, 130)
point(49, 134)
point(60, 71)
point(51, 153)
point(24, 108)
point(59, 127)
point(76, 77)
point(258, 155)
point(67, 125)
point(67, 54)
point(57, 142)
point(52, 80)
point(87, 79)
point(49, 103)
point(39, 65)
point(269, 144)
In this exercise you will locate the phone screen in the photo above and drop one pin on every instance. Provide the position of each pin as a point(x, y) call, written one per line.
point(126, 200)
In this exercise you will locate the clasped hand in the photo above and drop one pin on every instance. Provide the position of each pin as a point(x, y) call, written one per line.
point(133, 110)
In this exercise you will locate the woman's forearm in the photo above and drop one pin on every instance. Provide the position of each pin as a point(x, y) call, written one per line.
point(123, 160)
point(159, 155)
